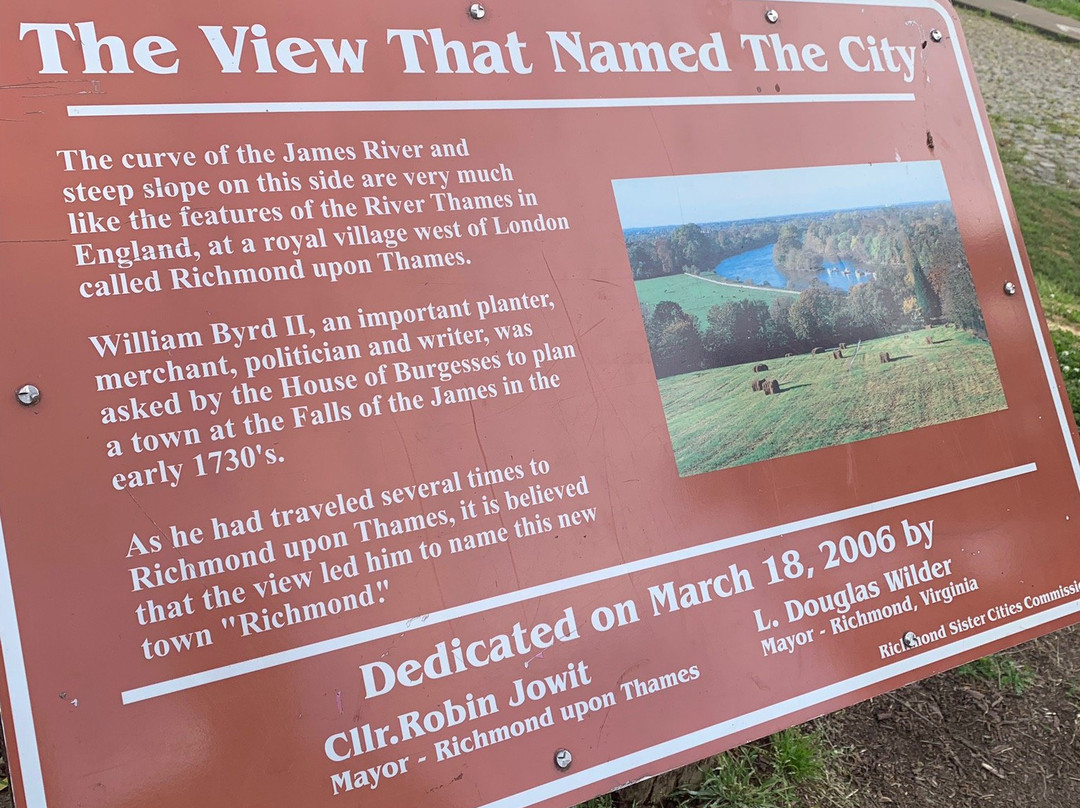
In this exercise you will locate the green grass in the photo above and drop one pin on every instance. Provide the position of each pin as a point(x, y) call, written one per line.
point(796, 766)
point(696, 295)
point(1000, 670)
point(1050, 222)
point(1066, 8)
point(603, 801)
point(787, 769)
point(797, 755)
point(716, 420)
point(735, 781)
point(1067, 345)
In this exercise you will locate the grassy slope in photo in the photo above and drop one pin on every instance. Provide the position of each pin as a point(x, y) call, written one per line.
point(717, 421)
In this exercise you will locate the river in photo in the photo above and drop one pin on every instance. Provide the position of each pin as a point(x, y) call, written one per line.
point(756, 268)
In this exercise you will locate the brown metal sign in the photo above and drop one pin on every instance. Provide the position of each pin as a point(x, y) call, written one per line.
point(440, 405)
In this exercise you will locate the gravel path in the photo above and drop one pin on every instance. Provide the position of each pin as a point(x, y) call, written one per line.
point(1031, 86)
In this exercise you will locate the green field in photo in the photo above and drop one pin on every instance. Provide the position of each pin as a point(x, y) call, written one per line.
point(717, 421)
point(696, 295)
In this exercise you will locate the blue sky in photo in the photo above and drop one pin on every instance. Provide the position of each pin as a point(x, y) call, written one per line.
point(739, 195)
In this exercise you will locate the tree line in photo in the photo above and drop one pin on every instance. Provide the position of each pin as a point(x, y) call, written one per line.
point(920, 277)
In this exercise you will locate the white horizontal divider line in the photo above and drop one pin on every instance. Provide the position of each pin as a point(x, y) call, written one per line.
point(477, 607)
point(250, 108)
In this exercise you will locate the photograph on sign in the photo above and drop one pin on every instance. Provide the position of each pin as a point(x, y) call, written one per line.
point(752, 283)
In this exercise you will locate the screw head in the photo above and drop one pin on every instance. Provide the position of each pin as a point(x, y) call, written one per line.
point(1009, 288)
point(935, 35)
point(563, 759)
point(477, 11)
point(772, 16)
point(28, 395)
point(910, 640)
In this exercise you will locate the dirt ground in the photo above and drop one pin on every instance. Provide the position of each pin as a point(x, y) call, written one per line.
point(960, 740)
point(1003, 733)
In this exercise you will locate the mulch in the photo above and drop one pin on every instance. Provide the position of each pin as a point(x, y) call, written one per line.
point(954, 740)
point(959, 741)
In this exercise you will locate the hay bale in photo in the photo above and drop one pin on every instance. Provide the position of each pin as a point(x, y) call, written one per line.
point(929, 340)
point(757, 384)
point(837, 354)
point(773, 388)
point(884, 358)
point(816, 351)
point(760, 368)
point(843, 346)
point(786, 355)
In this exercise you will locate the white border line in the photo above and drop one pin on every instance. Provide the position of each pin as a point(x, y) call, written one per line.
point(249, 108)
point(476, 607)
point(22, 717)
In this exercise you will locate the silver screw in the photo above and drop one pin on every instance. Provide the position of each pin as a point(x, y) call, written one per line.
point(910, 640)
point(935, 35)
point(476, 11)
point(772, 16)
point(563, 759)
point(28, 395)
point(1010, 288)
